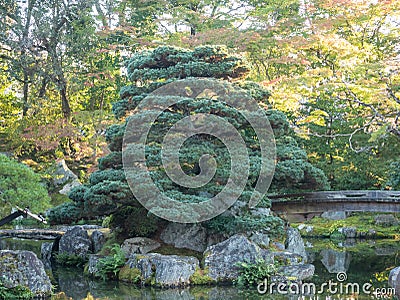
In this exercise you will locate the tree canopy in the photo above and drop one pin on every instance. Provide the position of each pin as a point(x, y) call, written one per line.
point(20, 186)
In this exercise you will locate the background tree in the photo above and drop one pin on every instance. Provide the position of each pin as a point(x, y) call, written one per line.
point(332, 68)
point(19, 185)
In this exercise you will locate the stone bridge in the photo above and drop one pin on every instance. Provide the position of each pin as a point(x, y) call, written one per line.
point(299, 207)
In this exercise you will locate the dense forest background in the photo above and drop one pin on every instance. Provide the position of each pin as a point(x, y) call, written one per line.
point(332, 67)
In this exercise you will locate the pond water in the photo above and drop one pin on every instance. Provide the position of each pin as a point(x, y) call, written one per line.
point(362, 262)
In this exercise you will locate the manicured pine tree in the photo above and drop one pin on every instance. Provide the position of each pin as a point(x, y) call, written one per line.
point(108, 193)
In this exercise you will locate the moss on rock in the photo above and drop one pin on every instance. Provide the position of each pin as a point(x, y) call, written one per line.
point(200, 277)
point(132, 275)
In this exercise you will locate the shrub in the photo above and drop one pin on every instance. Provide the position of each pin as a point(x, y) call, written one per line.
point(19, 185)
point(112, 160)
point(245, 223)
point(18, 292)
point(253, 273)
point(108, 267)
point(394, 175)
point(134, 221)
point(65, 213)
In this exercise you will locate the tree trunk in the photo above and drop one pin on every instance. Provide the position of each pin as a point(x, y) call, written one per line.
point(65, 107)
point(25, 104)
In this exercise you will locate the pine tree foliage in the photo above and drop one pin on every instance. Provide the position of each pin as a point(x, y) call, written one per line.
point(108, 192)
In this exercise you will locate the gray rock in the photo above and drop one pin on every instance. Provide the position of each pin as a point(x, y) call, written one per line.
point(69, 186)
point(46, 251)
point(236, 209)
point(139, 245)
point(301, 226)
point(348, 232)
point(334, 215)
point(386, 220)
point(295, 244)
point(278, 246)
point(307, 228)
point(24, 268)
point(189, 236)
point(92, 263)
point(221, 259)
point(75, 241)
point(311, 256)
point(167, 270)
point(394, 279)
point(300, 272)
point(98, 240)
point(335, 261)
point(261, 211)
point(63, 174)
point(261, 239)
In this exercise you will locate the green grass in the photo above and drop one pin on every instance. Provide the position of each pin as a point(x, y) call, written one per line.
point(364, 222)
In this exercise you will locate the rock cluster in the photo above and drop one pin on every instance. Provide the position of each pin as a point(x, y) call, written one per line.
point(23, 268)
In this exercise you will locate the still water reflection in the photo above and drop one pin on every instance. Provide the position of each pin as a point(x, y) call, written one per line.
point(367, 261)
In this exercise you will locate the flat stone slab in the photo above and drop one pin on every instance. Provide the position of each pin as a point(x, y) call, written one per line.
point(37, 234)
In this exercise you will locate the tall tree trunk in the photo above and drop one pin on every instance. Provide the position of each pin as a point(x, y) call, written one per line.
point(60, 80)
point(65, 107)
point(25, 35)
point(25, 103)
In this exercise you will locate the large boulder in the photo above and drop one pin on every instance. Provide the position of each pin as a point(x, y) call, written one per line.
point(65, 178)
point(75, 241)
point(295, 244)
point(139, 245)
point(222, 259)
point(23, 268)
point(335, 261)
point(62, 174)
point(164, 270)
point(189, 236)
